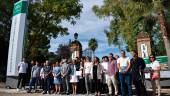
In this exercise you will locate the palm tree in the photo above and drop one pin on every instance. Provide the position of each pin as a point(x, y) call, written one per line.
point(93, 46)
point(161, 6)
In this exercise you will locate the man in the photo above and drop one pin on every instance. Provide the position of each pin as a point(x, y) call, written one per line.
point(22, 70)
point(111, 74)
point(35, 74)
point(47, 70)
point(123, 64)
point(138, 65)
point(65, 74)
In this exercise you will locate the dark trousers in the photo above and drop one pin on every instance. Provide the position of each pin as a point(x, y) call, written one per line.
point(81, 85)
point(21, 80)
point(140, 88)
point(47, 84)
point(126, 80)
point(66, 84)
point(97, 85)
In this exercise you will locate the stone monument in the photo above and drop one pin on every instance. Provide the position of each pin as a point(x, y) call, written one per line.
point(75, 47)
point(143, 44)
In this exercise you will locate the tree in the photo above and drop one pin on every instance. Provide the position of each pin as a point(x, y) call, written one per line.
point(133, 16)
point(126, 19)
point(92, 44)
point(63, 51)
point(5, 26)
point(160, 6)
point(44, 23)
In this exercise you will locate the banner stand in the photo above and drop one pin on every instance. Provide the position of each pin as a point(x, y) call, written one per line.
point(15, 53)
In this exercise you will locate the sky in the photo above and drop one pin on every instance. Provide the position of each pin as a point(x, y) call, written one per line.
point(88, 26)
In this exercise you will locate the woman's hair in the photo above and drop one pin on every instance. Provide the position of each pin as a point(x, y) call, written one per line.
point(152, 56)
point(88, 58)
point(97, 59)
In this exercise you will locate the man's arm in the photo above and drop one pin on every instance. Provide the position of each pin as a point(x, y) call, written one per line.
point(128, 66)
point(118, 64)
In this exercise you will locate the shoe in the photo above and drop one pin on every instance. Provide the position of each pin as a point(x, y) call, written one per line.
point(17, 89)
point(67, 93)
point(29, 91)
point(23, 88)
point(44, 92)
point(48, 92)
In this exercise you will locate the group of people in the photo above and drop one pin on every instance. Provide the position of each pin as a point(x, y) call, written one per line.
point(93, 75)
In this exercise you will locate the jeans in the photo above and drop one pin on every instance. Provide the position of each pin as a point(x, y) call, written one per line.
point(32, 82)
point(88, 83)
point(126, 79)
point(110, 80)
point(21, 79)
point(156, 83)
point(66, 84)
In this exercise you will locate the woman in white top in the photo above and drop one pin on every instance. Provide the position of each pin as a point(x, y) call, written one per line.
point(73, 77)
point(155, 75)
point(87, 74)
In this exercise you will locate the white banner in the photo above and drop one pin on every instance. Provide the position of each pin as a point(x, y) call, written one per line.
point(16, 37)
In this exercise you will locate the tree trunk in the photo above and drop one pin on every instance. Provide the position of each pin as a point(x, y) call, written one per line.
point(93, 55)
point(165, 33)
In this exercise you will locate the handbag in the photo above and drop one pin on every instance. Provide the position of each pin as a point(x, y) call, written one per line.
point(155, 76)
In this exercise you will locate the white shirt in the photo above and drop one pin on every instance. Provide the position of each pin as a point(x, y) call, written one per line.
point(22, 67)
point(155, 65)
point(42, 73)
point(105, 65)
point(123, 63)
point(87, 67)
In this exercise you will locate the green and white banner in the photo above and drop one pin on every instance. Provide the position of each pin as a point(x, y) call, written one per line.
point(17, 36)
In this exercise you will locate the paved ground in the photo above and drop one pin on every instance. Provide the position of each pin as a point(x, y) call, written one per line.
point(12, 92)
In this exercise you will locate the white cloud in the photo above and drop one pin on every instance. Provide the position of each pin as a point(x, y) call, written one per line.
point(88, 26)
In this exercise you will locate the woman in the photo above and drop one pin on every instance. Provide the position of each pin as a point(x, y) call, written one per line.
point(155, 75)
point(57, 77)
point(87, 73)
point(97, 73)
point(74, 78)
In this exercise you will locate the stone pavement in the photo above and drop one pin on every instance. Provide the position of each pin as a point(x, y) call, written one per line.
point(12, 92)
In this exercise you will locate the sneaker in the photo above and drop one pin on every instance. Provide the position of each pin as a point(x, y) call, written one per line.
point(29, 91)
point(67, 93)
point(44, 92)
point(17, 89)
point(48, 92)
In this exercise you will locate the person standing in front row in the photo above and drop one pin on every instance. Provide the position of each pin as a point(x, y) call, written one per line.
point(73, 77)
point(155, 75)
point(111, 72)
point(123, 64)
point(47, 79)
point(35, 74)
point(87, 74)
point(138, 66)
point(57, 77)
point(97, 73)
point(65, 74)
point(22, 70)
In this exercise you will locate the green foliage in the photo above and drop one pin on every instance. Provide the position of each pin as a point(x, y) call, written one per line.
point(128, 18)
point(5, 26)
point(93, 44)
point(44, 21)
point(63, 51)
